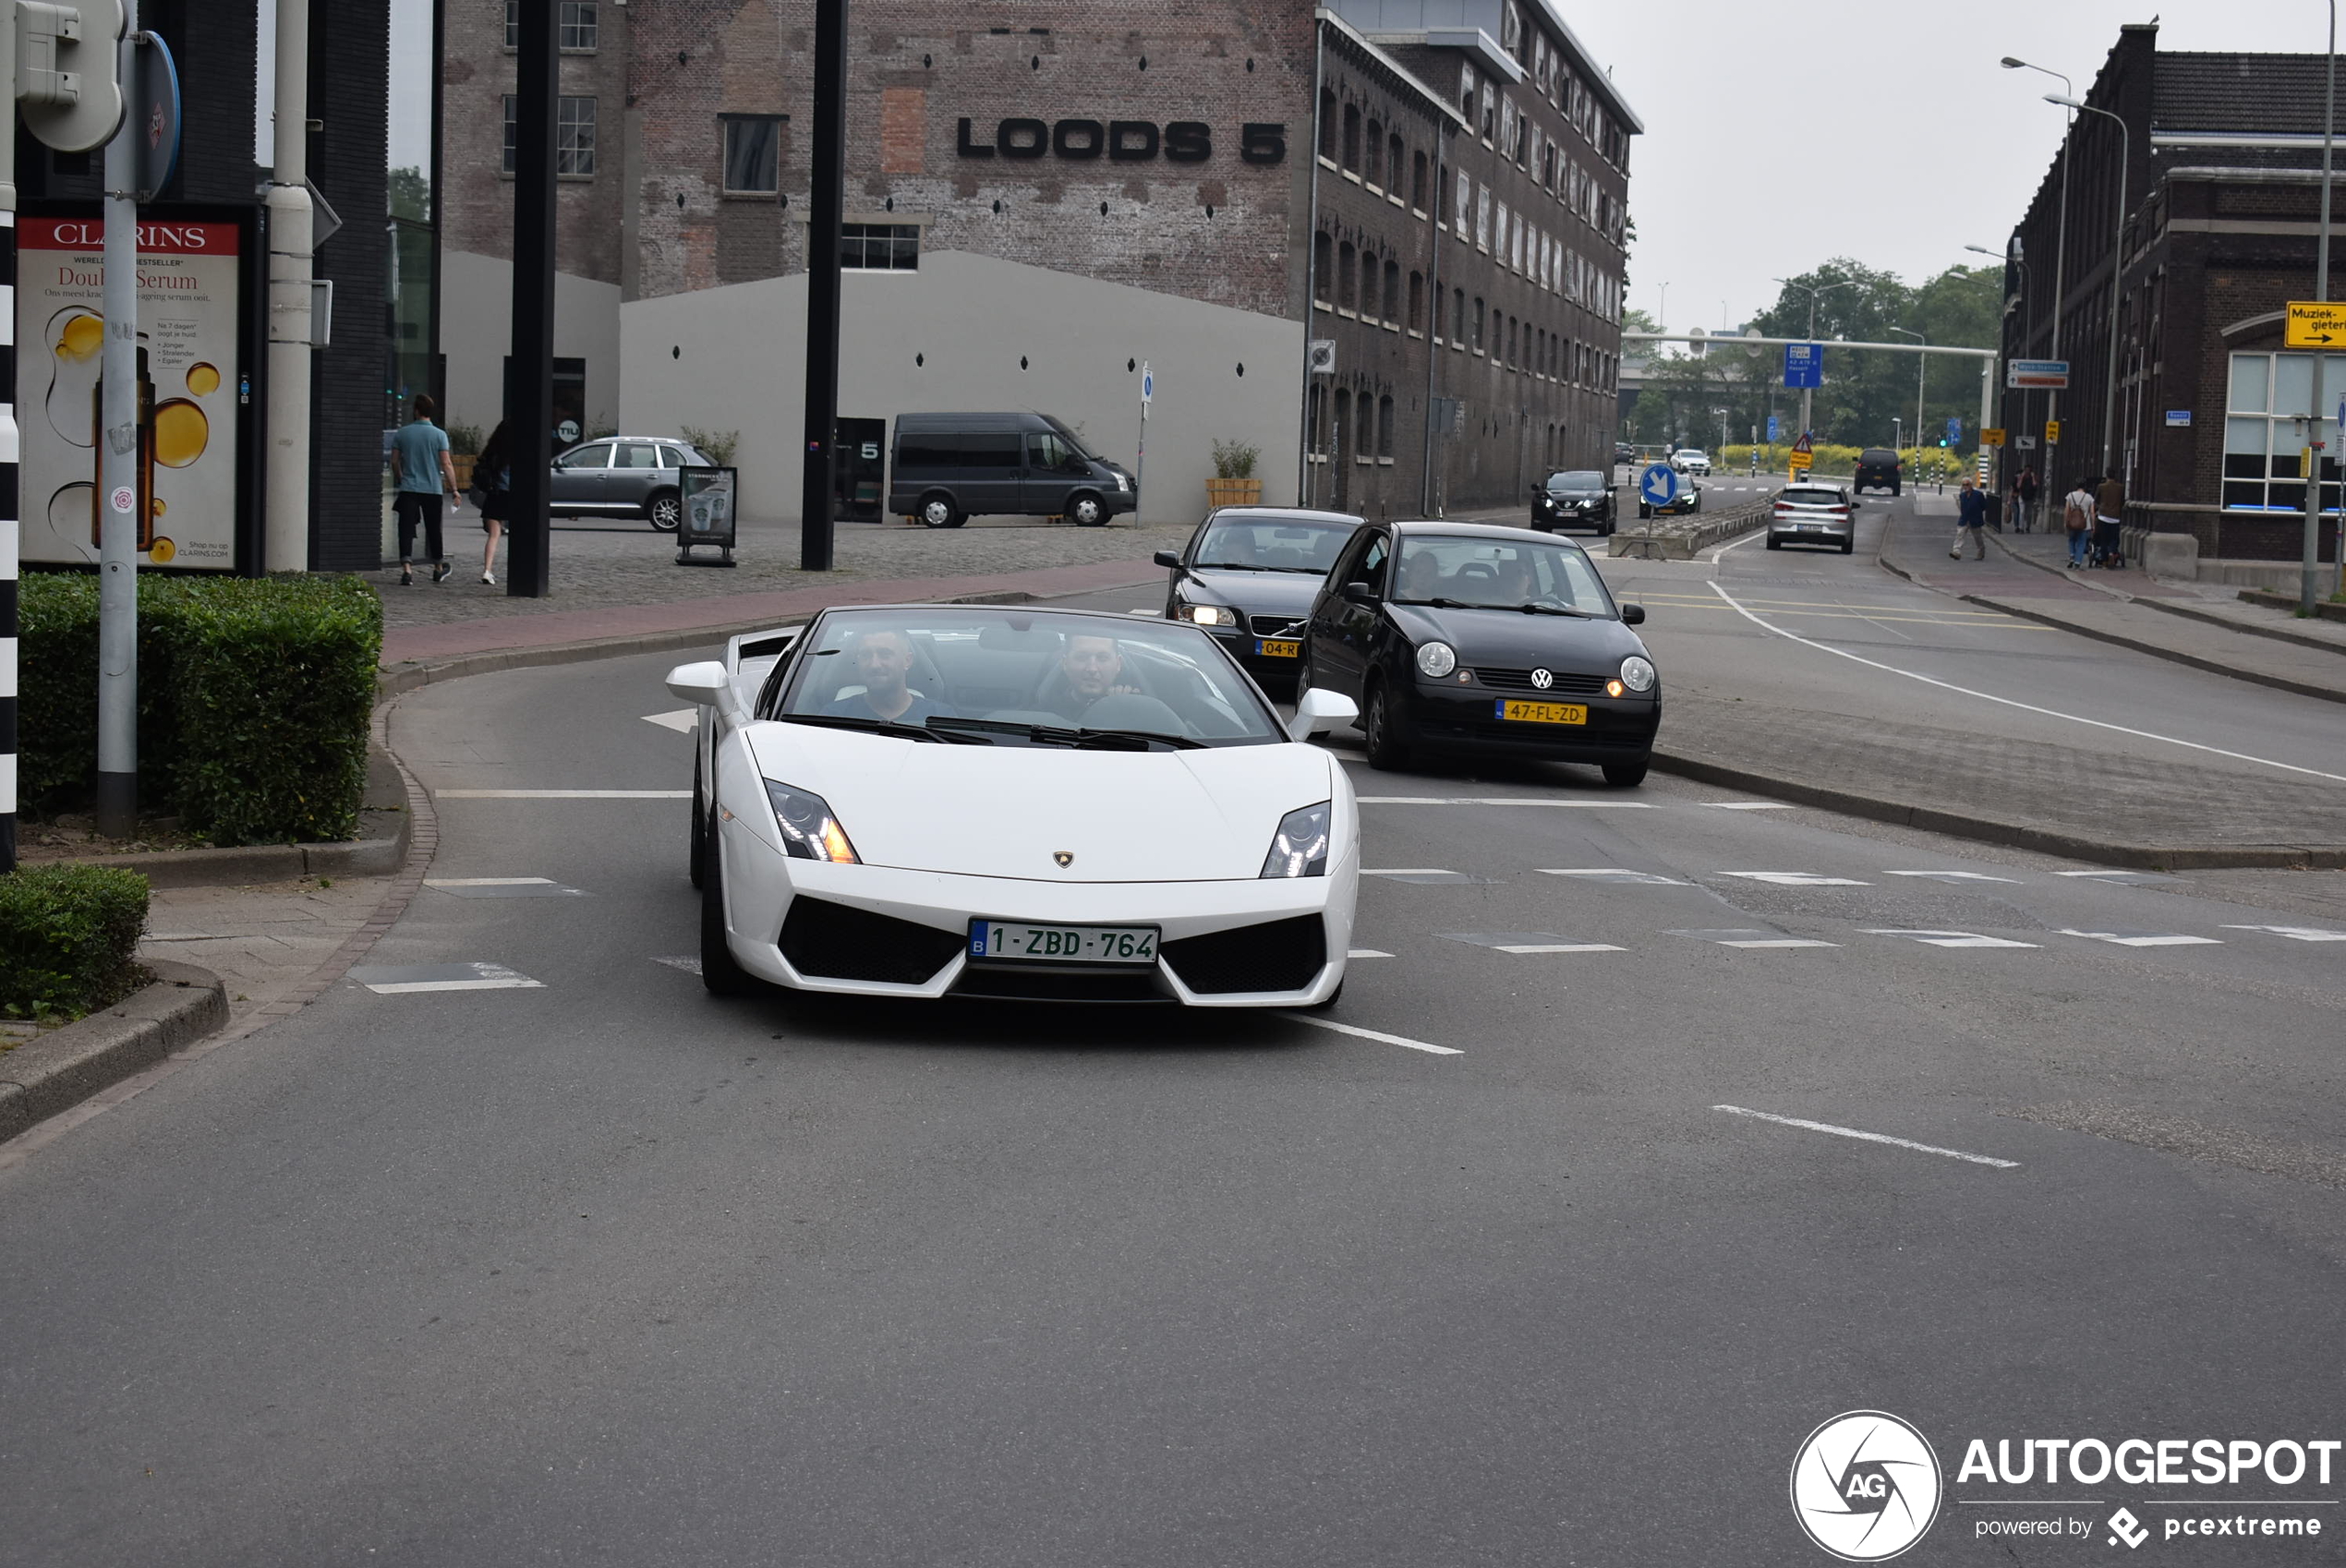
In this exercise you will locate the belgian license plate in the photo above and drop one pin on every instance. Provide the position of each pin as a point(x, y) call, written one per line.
point(1027, 942)
point(1542, 713)
point(1277, 647)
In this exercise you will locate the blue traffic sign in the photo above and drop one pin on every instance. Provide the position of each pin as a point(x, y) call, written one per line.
point(1954, 431)
point(1771, 429)
point(1658, 485)
point(1804, 364)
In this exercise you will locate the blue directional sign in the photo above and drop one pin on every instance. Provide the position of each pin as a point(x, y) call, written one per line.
point(1955, 432)
point(1804, 364)
point(1658, 485)
point(1771, 429)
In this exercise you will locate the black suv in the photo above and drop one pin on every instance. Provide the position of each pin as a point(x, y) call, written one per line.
point(1877, 466)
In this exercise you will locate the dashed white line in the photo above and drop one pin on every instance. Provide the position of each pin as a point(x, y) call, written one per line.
point(1748, 806)
point(1617, 874)
point(2295, 933)
point(2145, 938)
point(1952, 876)
point(1796, 878)
point(1366, 953)
point(1373, 1034)
point(562, 794)
point(682, 720)
point(1953, 939)
point(1869, 1137)
point(489, 881)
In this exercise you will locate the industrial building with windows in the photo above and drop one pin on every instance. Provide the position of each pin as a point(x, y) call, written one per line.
point(1382, 241)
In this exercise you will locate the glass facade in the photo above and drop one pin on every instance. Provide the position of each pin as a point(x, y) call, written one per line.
point(2266, 432)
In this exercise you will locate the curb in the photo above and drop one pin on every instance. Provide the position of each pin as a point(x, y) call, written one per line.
point(68, 1066)
point(2277, 633)
point(409, 677)
point(2011, 835)
point(1684, 547)
point(2323, 610)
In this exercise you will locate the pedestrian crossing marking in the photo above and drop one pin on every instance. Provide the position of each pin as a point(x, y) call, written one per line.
point(2145, 938)
point(1618, 876)
point(1953, 939)
point(1748, 806)
point(1753, 936)
point(2295, 933)
point(1521, 942)
point(1796, 879)
point(1954, 876)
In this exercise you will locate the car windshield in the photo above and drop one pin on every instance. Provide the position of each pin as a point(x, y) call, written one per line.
point(1272, 544)
point(1578, 480)
point(1498, 575)
point(1020, 678)
point(1814, 498)
point(1689, 454)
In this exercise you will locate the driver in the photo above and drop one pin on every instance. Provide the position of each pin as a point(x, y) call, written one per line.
point(1514, 587)
point(1091, 667)
point(883, 659)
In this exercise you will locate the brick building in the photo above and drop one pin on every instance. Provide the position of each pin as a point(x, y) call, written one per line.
point(1039, 205)
point(2221, 156)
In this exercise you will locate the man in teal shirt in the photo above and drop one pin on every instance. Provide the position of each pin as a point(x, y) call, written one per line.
point(420, 457)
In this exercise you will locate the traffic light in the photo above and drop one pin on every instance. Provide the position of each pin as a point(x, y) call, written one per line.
point(67, 91)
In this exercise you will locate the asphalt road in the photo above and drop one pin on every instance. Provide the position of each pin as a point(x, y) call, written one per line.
point(583, 1266)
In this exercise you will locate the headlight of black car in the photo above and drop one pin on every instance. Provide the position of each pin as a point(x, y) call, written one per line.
point(1206, 614)
point(1301, 846)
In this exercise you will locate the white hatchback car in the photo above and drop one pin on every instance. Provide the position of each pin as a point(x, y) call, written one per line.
point(928, 801)
point(1691, 460)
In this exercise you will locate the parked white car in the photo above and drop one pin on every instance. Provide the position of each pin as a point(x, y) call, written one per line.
point(928, 801)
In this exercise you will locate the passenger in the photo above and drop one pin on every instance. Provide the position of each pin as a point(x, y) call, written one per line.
point(883, 661)
point(1091, 667)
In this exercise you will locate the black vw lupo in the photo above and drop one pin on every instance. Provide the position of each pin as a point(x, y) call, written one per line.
point(1458, 637)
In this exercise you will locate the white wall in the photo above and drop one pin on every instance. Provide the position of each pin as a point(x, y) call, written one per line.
point(732, 358)
point(475, 330)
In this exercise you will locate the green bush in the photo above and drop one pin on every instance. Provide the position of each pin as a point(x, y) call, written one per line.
point(69, 938)
point(254, 700)
point(1236, 459)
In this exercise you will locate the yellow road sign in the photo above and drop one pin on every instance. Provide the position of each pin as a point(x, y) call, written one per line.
point(2315, 324)
point(1799, 462)
point(1992, 437)
point(2052, 433)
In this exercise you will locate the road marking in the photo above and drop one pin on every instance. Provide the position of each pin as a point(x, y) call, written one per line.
point(502, 887)
point(1869, 1137)
point(2024, 708)
point(2295, 933)
point(1748, 806)
point(1796, 879)
point(682, 720)
point(1617, 874)
point(1526, 942)
point(389, 980)
point(1424, 878)
point(1953, 939)
point(1753, 936)
point(1365, 953)
point(562, 795)
point(1372, 1034)
point(2145, 938)
point(2128, 876)
point(1954, 876)
point(1499, 801)
point(488, 881)
point(1404, 800)
point(690, 965)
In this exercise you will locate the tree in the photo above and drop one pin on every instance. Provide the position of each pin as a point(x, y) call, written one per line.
point(1868, 395)
point(410, 194)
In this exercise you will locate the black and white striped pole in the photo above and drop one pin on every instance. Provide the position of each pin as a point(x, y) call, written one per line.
point(10, 528)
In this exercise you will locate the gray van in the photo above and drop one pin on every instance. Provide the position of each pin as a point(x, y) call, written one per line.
point(951, 467)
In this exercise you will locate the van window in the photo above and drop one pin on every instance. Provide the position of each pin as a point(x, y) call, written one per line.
point(990, 451)
point(1049, 454)
point(928, 448)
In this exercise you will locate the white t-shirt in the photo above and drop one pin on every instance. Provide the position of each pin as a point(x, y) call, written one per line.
point(2082, 501)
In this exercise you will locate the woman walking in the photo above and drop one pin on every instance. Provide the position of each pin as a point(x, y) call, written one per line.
point(493, 492)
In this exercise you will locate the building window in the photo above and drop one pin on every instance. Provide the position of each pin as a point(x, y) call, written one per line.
point(1353, 138)
point(1324, 270)
point(880, 247)
point(1467, 85)
point(1457, 318)
point(1437, 316)
point(1417, 183)
point(1417, 304)
point(1393, 158)
point(1391, 293)
point(1385, 428)
point(574, 26)
point(1482, 217)
point(1478, 323)
point(1365, 441)
point(1466, 207)
point(573, 136)
point(1346, 260)
point(1341, 426)
point(752, 154)
point(1327, 123)
point(1373, 152)
point(2264, 435)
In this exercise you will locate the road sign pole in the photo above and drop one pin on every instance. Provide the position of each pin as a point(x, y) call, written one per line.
point(10, 529)
point(2309, 578)
point(119, 500)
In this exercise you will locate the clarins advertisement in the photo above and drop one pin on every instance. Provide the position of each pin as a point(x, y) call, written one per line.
point(187, 397)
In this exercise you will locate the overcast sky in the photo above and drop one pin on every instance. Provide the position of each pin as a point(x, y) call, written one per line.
point(1779, 136)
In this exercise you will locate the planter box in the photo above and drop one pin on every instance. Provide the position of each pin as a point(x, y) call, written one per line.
point(1233, 492)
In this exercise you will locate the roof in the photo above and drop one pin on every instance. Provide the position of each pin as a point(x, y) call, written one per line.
point(2237, 93)
point(1436, 527)
point(1300, 514)
point(988, 422)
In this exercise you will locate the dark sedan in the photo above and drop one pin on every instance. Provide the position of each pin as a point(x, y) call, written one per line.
point(1688, 499)
point(1458, 637)
point(1249, 575)
point(1574, 497)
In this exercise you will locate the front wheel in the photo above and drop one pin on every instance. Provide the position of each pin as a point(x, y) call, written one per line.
point(719, 972)
point(1086, 510)
point(696, 845)
point(664, 510)
point(938, 511)
point(1388, 751)
point(1628, 775)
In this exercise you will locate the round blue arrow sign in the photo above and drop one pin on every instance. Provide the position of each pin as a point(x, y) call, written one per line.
point(1659, 485)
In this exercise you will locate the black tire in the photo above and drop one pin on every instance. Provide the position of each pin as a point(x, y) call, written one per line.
point(696, 846)
point(938, 511)
point(1086, 510)
point(1628, 775)
point(1847, 546)
point(1775, 543)
point(1893, 489)
point(664, 509)
point(1388, 751)
point(718, 970)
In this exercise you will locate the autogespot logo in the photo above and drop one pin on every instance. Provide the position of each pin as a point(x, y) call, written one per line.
point(1865, 1486)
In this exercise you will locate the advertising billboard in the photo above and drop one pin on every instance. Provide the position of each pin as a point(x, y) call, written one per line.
point(189, 389)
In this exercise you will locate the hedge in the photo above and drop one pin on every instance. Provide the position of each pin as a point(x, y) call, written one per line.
point(69, 938)
point(254, 696)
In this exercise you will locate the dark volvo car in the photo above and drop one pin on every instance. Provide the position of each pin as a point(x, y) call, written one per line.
point(1574, 497)
point(1455, 637)
point(1249, 575)
point(951, 467)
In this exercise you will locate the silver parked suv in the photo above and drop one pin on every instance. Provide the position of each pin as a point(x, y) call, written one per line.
point(624, 476)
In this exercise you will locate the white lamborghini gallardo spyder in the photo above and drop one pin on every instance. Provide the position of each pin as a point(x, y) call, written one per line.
point(1010, 801)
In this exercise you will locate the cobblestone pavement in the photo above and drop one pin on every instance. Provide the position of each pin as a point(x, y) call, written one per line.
point(595, 565)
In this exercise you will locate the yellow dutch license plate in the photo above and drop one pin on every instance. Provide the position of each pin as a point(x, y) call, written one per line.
point(1542, 713)
point(1274, 648)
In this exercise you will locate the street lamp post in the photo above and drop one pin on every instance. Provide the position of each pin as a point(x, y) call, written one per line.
point(1922, 366)
point(2117, 275)
point(2060, 242)
point(1812, 291)
point(2027, 293)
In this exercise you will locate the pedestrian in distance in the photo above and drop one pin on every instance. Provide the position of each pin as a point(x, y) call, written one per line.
point(1971, 521)
point(2077, 516)
point(493, 494)
point(2027, 497)
point(2109, 517)
point(420, 454)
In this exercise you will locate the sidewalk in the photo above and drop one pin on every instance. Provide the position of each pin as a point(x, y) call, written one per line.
point(2024, 575)
point(612, 582)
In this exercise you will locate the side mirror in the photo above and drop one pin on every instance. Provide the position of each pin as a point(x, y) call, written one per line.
point(1169, 559)
point(1357, 593)
point(1633, 615)
point(1319, 711)
point(705, 684)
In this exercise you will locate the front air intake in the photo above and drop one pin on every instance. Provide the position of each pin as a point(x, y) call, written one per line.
point(839, 942)
point(1280, 954)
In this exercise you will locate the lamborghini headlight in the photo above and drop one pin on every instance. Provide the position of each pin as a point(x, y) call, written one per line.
point(1301, 846)
point(810, 831)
